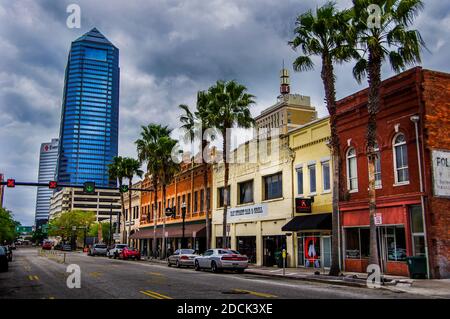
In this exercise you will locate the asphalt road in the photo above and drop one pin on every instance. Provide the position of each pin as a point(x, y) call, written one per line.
point(38, 277)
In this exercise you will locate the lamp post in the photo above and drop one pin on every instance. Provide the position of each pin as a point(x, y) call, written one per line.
point(183, 216)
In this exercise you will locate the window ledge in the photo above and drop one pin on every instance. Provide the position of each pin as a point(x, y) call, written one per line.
point(245, 204)
point(353, 191)
point(313, 194)
point(401, 184)
point(272, 200)
point(326, 192)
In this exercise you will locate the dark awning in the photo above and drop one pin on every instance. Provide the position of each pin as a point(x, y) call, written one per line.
point(309, 222)
point(174, 231)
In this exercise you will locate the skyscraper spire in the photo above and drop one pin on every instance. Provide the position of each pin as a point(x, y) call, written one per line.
point(284, 81)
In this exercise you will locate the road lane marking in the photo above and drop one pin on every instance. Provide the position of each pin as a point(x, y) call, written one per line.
point(33, 277)
point(95, 274)
point(155, 295)
point(255, 293)
point(156, 274)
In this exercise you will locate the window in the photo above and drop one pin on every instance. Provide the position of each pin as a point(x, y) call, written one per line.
point(245, 192)
point(400, 159)
point(377, 166)
point(352, 177)
point(202, 200)
point(300, 181)
point(189, 203)
point(273, 186)
point(95, 54)
point(312, 178)
point(357, 243)
point(221, 196)
point(326, 176)
point(195, 201)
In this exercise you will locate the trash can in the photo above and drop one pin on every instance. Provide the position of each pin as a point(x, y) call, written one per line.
point(417, 266)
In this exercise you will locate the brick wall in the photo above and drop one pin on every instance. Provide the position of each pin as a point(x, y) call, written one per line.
point(436, 105)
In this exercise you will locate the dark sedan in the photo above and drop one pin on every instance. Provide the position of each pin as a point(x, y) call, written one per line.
point(3, 259)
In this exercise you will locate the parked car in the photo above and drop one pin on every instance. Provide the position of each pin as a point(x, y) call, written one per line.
point(3, 259)
point(66, 247)
point(47, 245)
point(220, 259)
point(115, 250)
point(58, 246)
point(13, 246)
point(130, 253)
point(8, 252)
point(182, 257)
point(98, 250)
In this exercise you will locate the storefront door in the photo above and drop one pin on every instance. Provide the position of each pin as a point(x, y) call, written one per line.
point(326, 251)
point(246, 245)
point(391, 245)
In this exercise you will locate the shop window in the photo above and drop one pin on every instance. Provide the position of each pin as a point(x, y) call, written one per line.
point(396, 243)
point(219, 241)
point(326, 176)
point(352, 177)
point(220, 192)
point(245, 192)
point(312, 178)
point(417, 231)
point(352, 249)
point(300, 181)
point(400, 159)
point(273, 186)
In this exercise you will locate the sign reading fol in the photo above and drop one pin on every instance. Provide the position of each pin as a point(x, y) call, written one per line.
point(247, 212)
point(441, 173)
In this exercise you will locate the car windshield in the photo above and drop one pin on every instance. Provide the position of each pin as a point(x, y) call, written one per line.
point(121, 246)
point(100, 246)
point(228, 251)
point(187, 251)
point(2, 250)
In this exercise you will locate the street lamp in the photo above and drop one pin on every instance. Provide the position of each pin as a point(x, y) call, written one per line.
point(183, 216)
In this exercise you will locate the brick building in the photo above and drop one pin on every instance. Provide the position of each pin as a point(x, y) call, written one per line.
point(404, 179)
point(187, 187)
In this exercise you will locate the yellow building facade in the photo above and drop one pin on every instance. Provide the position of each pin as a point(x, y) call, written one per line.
point(310, 227)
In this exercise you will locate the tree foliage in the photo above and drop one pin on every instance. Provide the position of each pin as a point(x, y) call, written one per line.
point(7, 226)
point(62, 225)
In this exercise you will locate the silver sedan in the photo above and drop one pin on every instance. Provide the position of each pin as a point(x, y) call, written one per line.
point(220, 259)
point(182, 257)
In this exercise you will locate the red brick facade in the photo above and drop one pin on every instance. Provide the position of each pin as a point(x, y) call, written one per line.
point(414, 92)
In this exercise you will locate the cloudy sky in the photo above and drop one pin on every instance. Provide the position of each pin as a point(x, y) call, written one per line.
point(168, 51)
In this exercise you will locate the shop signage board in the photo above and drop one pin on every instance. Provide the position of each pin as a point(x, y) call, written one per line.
point(378, 219)
point(303, 205)
point(441, 173)
point(116, 236)
point(250, 212)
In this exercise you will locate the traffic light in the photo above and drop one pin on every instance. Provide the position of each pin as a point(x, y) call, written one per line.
point(52, 184)
point(11, 182)
point(123, 188)
point(89, 187)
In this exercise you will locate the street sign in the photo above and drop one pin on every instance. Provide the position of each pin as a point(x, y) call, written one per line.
point(123, 188)
point(52, 184)
point(194, 234)
point(116, 236)
point(11, 182)
point(303, 205)
point(169, 212)
point(166, 234)
point(378, 219)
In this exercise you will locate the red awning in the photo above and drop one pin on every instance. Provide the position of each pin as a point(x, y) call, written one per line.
point(174, 231)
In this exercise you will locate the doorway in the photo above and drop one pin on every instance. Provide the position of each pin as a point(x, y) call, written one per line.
point(271, 246)
point(391, 245)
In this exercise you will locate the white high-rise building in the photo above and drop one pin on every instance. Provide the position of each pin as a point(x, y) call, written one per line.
point(47, 168)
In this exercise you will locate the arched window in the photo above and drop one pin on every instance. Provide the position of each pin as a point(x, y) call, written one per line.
point(377, 166)
point(400, 159)
point(352, 177)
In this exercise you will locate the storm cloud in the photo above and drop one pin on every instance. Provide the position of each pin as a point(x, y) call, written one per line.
point(168, 51)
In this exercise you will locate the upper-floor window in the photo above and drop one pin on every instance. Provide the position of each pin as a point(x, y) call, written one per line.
point(377, 166)
point(245, 192)
point(312, 178)
point(326, 176)
point(195, 201)
point(95, 54)
point(300, 181)
point(221, 196)
point(352, 177)
point(273, 186)
point(400, 159)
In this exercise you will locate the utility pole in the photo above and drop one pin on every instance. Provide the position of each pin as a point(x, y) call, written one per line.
point(183, 216)
point(110, 224)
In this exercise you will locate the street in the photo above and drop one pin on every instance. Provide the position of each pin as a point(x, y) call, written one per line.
point(32, 276)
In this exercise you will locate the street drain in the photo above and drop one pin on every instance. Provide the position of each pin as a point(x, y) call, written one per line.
point(235, 292)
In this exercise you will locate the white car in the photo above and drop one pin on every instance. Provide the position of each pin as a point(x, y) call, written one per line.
point(182, 257)
point(220, 259)
point(115, 250)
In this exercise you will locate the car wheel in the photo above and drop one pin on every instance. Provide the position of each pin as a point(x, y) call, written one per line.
point(196, 266)
point(240, 271)
point(109, 256)
point(169, 264)
point(214, 267)
point(177, 264)
point(115, 256)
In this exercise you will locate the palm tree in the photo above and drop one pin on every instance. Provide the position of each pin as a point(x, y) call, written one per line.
point(323, 34)
point(116, 172)
point(190, 124)
point(390, 38)
point(228, 106)
point(147, 149)
point(131, 167)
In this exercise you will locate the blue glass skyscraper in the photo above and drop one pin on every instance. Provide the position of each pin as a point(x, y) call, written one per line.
point(90, 111)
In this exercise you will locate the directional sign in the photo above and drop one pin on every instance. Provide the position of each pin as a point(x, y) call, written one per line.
point(123, 188)
point(89, 187)
point(11, 182)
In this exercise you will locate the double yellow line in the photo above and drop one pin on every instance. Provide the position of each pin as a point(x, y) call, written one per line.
point(154, 294)
point(33, 277)
point(255, 293)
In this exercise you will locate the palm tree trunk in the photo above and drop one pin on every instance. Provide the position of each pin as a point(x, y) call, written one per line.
point(155, 210)
point(225, 188)
point(328, 79)
point(129, 211)
point(374, 78)
point(122, 215)
point(205, 194)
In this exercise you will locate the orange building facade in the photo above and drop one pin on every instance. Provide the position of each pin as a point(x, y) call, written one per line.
point(187, 187)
